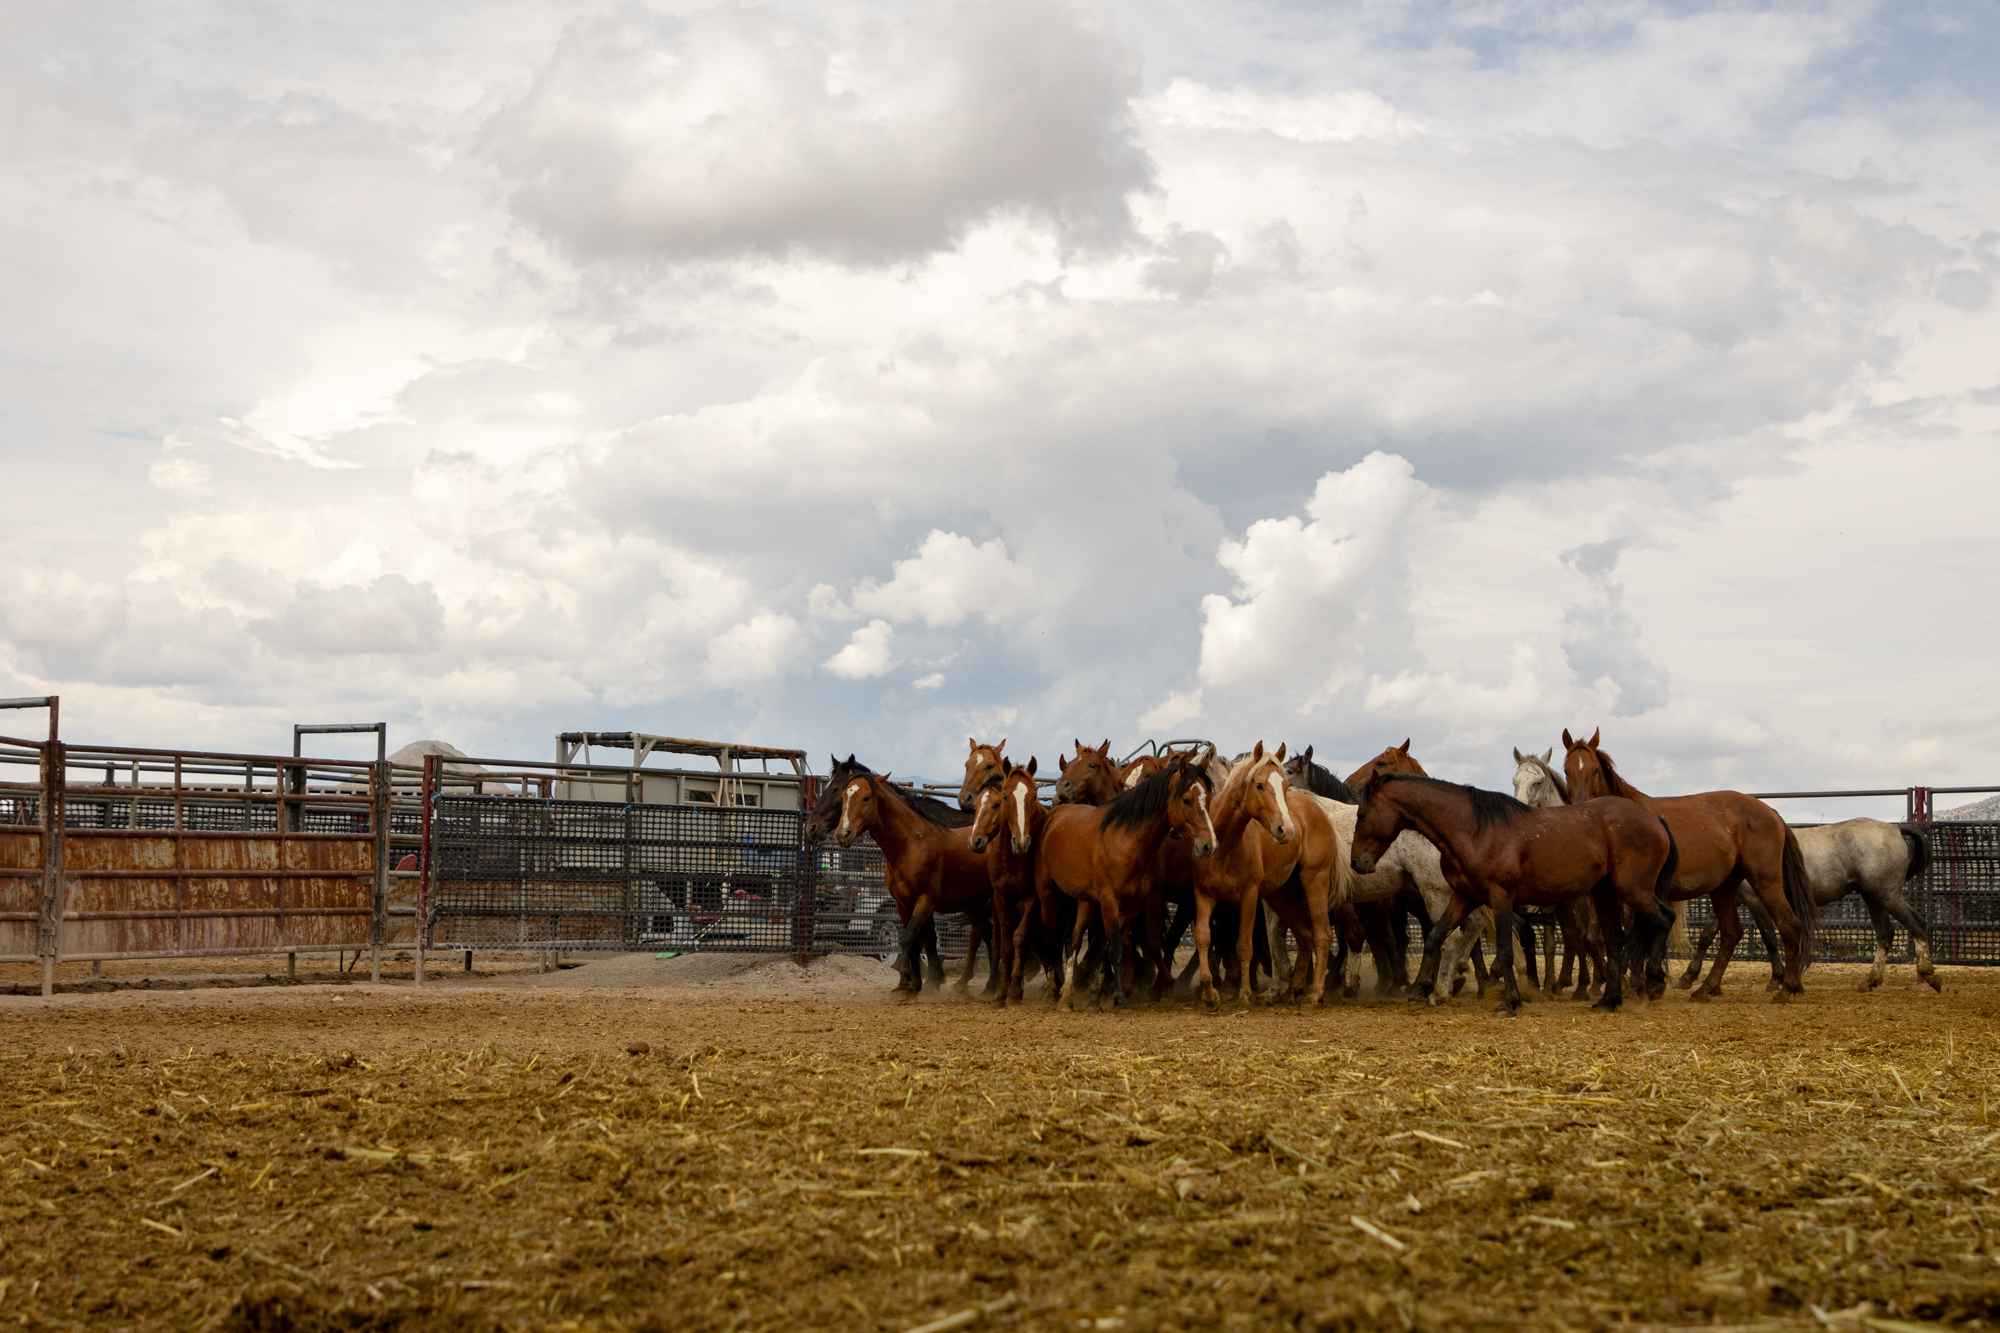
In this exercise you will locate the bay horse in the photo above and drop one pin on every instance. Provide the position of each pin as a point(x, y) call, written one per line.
point(1864, 856)
point(826, 813)
point(982, 766)
point(1498, 852)
point(927, 866)
point(1275, 844)
point(1725, 837)
point(1007, 821)
point(1106, 858)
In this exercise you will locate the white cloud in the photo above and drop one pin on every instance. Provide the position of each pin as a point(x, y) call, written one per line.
point(948, 580)
point(870, 651)
point(1170, 712)
point(733, 130)
point(762, 648)
point(934, 681)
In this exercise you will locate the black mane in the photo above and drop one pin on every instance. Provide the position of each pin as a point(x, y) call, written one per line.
point(1488, 807)
point(1135, 805)
point(1320, 781)
point(928, 808)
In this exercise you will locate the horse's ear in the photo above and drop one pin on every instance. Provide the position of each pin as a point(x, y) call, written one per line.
point(1568, 742)
point(971, 744)
point(1006, 766)
point(1593, 737)
point(1405, 746)
point(1257, 752)
point(1280, 756)
point(850, 759)
point(1031, 765)
point(831, 763)
point(1548, 754)
point(1105, 749)
point(1002, 746)
point(1079, 745)
point(1517, 756)
point(1307, 757)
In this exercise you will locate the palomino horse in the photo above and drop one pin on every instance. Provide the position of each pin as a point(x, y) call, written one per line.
point(982, 766)
point(1864, 856)
point(1088, 778)
point(927, 867)
point(1107, 858)
point(1498, 852)
point(1724, 837)
point(826, 813)
point(1007, 819)
point(1268, 839)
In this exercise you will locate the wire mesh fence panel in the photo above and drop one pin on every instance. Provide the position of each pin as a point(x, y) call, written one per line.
point(524, 873)
point(1960, 894)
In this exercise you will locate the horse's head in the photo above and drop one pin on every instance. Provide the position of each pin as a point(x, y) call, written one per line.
point(1142, 768)
point(860, 801)
point(1535, 783)
point(988, 814)
point(1395, 759)
point(1018, 797)
point(826, 810)
point(1376, 823)
point(1261, 779)
point(1187, 807)
point(1091, 778)
point(1298, 769)
point(982, 765)
point(1584, 766)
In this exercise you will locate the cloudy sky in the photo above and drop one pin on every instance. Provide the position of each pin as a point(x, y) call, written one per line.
point(862, 377)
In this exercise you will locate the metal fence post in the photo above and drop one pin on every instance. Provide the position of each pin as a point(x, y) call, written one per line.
point(54, 782)
point(426, 869)
point(808, 878)
point(384, 782)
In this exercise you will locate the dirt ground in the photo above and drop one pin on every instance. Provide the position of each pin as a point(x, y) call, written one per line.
point(717, 1144)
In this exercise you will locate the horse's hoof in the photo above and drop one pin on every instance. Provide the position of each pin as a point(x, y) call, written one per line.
point(1604, 1007)
point(1776, 983)
point(1930, 979)
point(1782, 997)
point(1684, 983)
point(1506, 1011)
point(1703, 996)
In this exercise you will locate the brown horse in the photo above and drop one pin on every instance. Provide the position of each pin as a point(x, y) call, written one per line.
point(1107, 859)
point(1395, 759)
point(927, 867)
point(1089, 778)
point(1498, 852)
point(1725, 838)
point(982, 766)
point(1270, 843)
point(1008, 818)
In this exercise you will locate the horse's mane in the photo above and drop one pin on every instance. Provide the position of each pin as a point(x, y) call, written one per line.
point(1488, 807)
point(1548, 771)
point(1135, 805)
point(928, 808)
point(1320, 781)
point(1613, 783)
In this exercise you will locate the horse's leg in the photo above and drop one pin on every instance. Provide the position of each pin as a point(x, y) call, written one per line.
point(1204, 907)
point(975, 935)
point(1427, 972)
point(919, 927)
point(1163, 964)
point(1613, 926)
point(1897, 906)
point(1566, 923)
point(1767, 929)
point(1527, 933)
point(1263, 959)
point(1250, 916)
point(1695, 955)
point(1885, 937)
point(1731, 931)
point(1052, 938)
point(1078, 927)
point(1503, 956)
point(1390, 973)
point(1114, 948)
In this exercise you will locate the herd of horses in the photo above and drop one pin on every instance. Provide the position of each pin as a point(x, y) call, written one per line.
point(1080, 888)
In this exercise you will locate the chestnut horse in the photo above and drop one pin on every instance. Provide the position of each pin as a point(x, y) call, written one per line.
point(1108, 858)
point(1089, 778)
point(1725, 838)
point(1270, 843)
point(1498, 852)
point(928, 868)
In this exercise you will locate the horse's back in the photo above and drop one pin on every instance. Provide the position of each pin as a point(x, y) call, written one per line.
point(1853, 854)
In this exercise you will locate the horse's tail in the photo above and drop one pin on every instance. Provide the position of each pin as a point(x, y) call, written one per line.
point(1663, 887)
point(1798, 892)
point(1920, 850)
point(1677, 936)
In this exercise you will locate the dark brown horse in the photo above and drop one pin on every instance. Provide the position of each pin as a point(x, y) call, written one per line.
point(1498, 852)
point(1725, 839)
point(927, 867)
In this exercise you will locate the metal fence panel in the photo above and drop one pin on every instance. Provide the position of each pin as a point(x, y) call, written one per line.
point(1960, 897)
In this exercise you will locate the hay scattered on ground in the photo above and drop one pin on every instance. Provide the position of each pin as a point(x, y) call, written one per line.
point(502, 1160)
